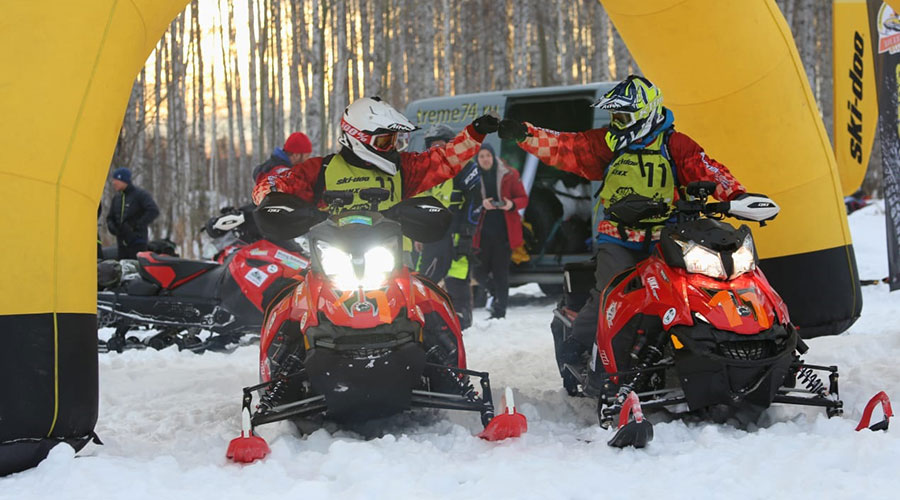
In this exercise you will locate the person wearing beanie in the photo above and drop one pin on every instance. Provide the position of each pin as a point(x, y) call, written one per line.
point(130, 214)
point(296, 150)
point(499, 228)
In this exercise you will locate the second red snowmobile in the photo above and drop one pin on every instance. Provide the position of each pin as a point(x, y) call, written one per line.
point(694, 327)
point(180, 297)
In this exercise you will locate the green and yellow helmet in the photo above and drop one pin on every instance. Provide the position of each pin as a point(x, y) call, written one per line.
point(635, 108)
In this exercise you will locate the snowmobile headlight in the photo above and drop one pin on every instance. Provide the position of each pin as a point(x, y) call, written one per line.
point(380, 263)
point(350, 272)
point(337, 265)
point(743, 258)
point(699, 259)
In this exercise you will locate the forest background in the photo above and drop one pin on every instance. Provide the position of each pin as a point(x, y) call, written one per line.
point(230, 79)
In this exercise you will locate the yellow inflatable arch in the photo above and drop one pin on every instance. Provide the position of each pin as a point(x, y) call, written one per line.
point(67, 71)
point(729, 70)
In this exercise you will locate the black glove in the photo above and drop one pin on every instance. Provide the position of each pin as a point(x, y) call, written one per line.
point(512, 129)
point(485, 124)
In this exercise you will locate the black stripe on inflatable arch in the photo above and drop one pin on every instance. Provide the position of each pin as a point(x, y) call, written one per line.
point(48, 385)
point(821, 289)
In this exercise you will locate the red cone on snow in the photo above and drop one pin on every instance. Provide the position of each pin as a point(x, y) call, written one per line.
point(508, 424)
point(246, 449)
point(885, 401)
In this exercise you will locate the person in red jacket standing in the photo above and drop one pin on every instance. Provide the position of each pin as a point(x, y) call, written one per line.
point(499, 226)
point(639, 153)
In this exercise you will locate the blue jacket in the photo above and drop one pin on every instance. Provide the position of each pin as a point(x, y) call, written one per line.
point(130, 213)
point(278, 159)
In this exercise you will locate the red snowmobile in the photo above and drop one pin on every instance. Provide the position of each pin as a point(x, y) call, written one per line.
point(361, 336)
point(179, 297)
point(695, 326)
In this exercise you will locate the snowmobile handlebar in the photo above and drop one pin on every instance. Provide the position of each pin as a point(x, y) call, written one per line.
point(282, 216)
point(633, 210)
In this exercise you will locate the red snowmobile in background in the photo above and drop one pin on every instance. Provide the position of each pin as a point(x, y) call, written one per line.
point(694, 327)
point(180, 297)
point(362, 337)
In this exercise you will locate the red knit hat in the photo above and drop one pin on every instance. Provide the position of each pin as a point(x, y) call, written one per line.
point(297, 143)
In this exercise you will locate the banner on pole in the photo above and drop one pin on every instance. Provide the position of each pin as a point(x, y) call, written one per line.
point(855, 103)
point(885, 31)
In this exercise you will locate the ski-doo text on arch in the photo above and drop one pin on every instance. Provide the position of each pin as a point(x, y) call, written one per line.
point(362, 337)
point(695, 325)
point(179, 297)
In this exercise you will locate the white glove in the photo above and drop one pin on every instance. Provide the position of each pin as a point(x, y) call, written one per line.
point(755, 207)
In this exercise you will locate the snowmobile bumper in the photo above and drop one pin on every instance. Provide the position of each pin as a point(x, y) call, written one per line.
point(717, 367)
point(360, 387)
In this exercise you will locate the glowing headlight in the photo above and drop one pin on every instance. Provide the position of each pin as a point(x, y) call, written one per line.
point(743, 258)
point(337, 265)
point(699, 259)
point(377, 265)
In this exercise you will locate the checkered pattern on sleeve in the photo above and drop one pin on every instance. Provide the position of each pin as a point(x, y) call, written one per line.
point(609, 228)
point(582, 153)
point(422, 171)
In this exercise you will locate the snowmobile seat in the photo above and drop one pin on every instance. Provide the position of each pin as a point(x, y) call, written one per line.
point(170, 272)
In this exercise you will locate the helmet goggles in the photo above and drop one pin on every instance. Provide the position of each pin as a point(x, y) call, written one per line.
point(383, 142)
point(622, 119)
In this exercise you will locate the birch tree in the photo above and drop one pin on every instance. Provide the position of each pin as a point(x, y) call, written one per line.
point(306, 59)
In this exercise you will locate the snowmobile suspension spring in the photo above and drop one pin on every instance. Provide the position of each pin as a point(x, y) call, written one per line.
point(652, 355)
point(809, 378)
point(272, 397)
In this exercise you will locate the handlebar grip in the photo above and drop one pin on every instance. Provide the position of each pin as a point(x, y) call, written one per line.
point(721, 207)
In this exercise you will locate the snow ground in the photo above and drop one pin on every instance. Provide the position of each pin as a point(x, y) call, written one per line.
point(166, 419)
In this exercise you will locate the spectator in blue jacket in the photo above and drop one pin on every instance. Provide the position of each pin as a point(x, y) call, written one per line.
point(130, 213)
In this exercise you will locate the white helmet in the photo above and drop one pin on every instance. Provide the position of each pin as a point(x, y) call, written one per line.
point(375, 132)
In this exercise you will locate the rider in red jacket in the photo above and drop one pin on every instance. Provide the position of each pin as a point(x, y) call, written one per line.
point(639, 153)
point(372, 135)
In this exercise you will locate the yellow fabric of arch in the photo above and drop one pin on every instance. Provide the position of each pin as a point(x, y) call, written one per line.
point(67, 71)
point(731, 74)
